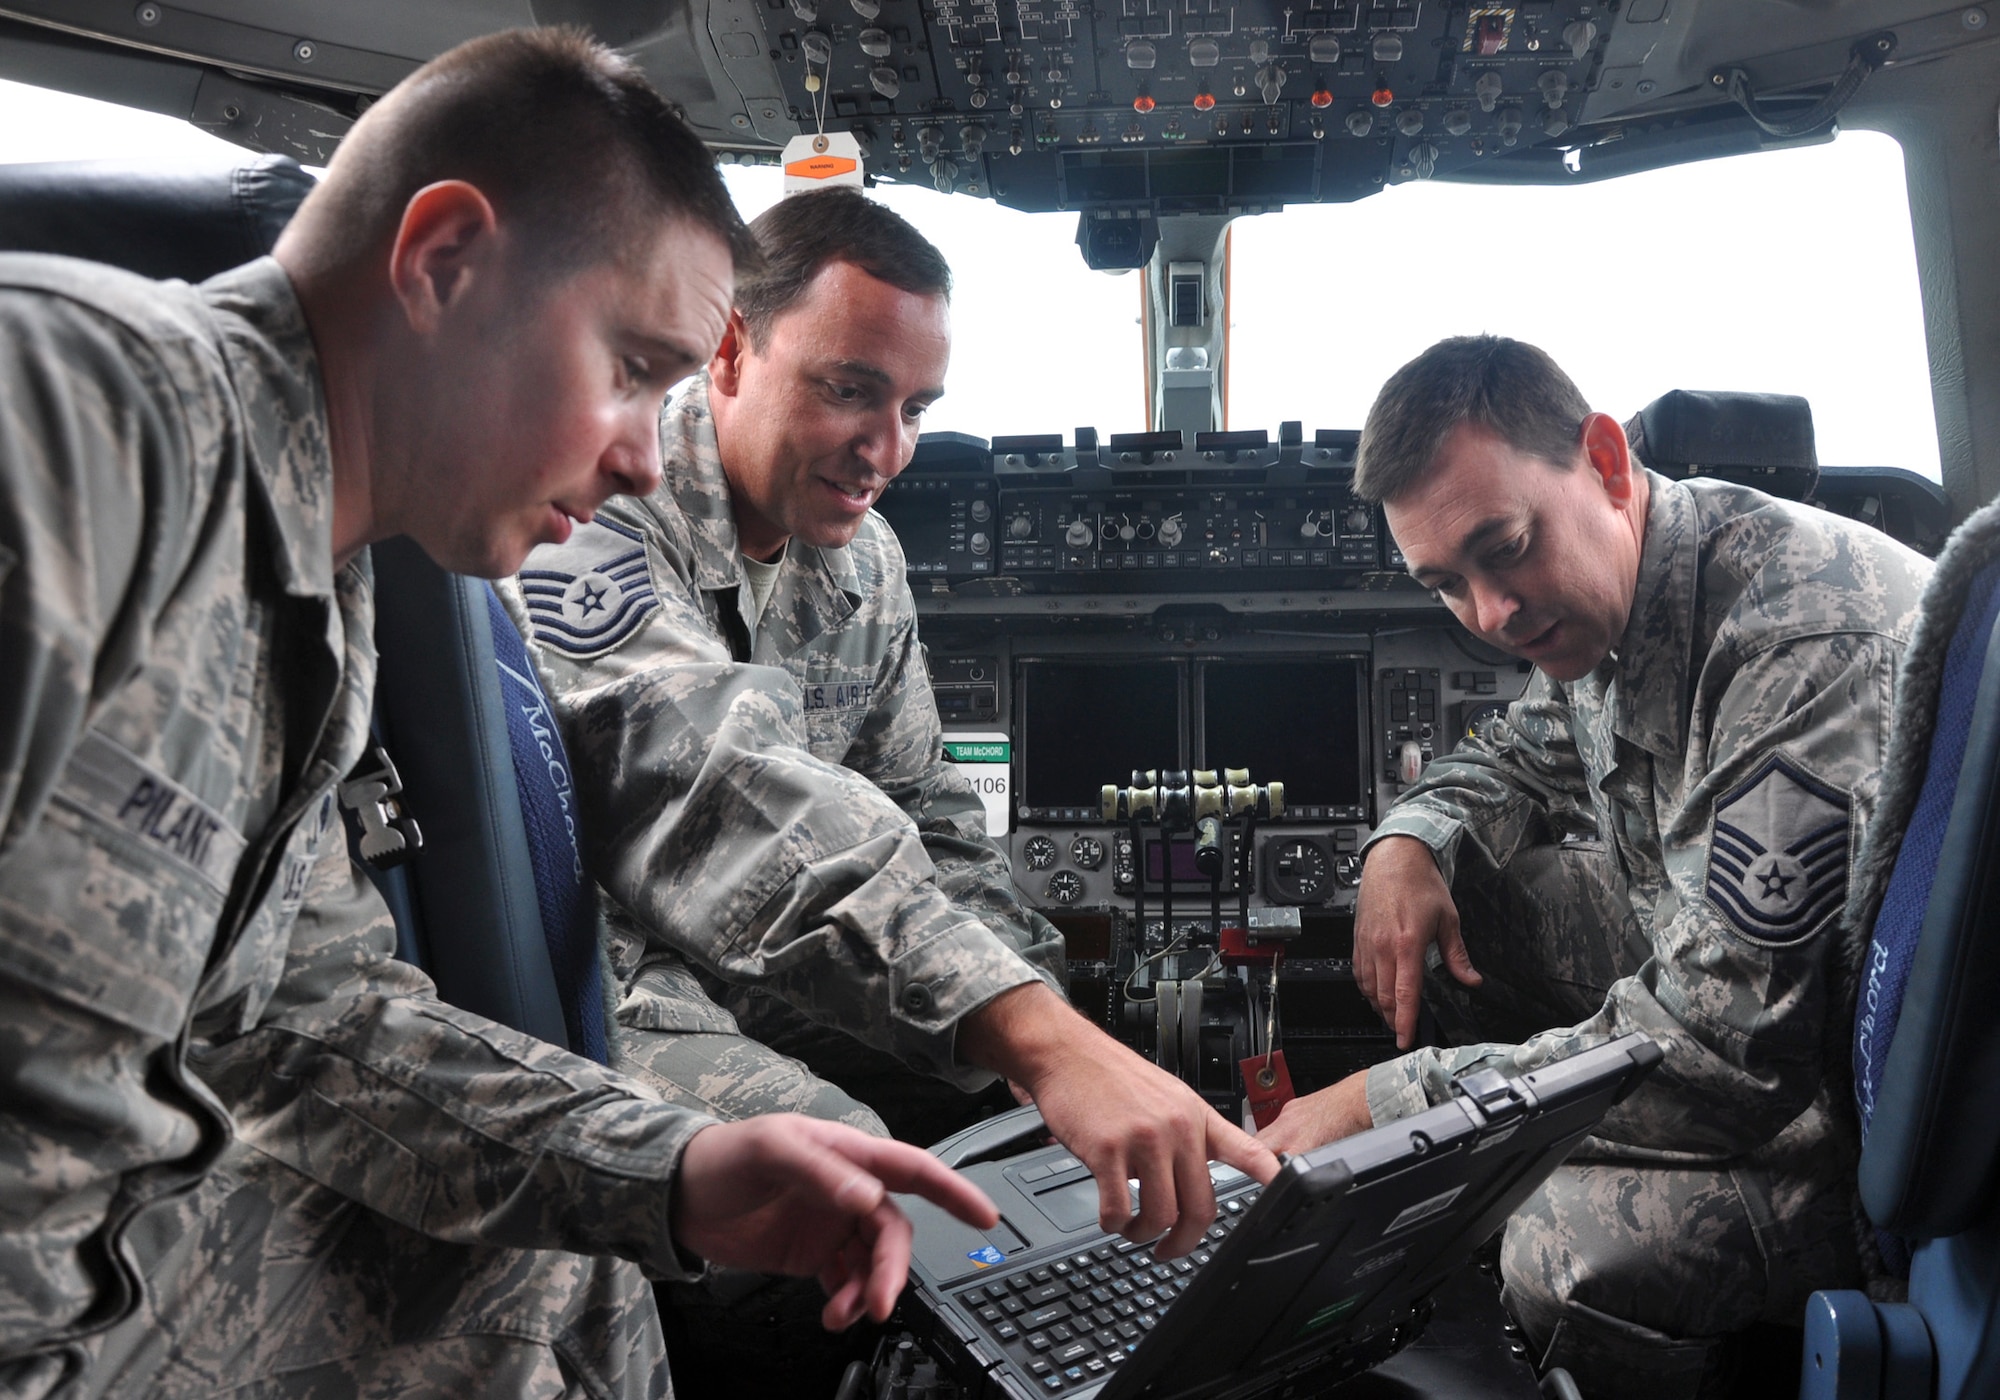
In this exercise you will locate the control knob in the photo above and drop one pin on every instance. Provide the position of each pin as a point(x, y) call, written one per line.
point(1079, 534)
point(1020, 527)
point(979, 509)
point(1171, 531)
point(1358, 521)
point(979, 543)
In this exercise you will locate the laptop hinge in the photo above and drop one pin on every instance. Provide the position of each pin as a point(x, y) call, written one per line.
point(1498, 1097)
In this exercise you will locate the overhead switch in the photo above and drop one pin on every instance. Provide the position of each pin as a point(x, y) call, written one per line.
point(1140, 56)
point(1204, 53)
point(875, 43)
point(1487, 90)
point(1324, 49)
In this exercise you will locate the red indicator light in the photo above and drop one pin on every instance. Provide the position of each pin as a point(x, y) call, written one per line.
point(1382, 97)
point(1204, 101)
point(1142, 104)
point(1322, 98)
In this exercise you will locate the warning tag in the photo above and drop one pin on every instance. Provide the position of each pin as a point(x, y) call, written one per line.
point(1268, 1086)
point(985, 761)
point(816, 162)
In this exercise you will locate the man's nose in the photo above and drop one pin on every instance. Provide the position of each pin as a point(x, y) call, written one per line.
point(632, 460)
point(1493, 608)
point(888, 443)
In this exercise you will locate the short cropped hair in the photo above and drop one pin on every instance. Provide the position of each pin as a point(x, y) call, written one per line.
point(1508, 387)
point(801, 234)
point(568, 140)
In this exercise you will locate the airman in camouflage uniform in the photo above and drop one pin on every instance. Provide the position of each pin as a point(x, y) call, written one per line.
point(784, 810)
point(762, 775)
point(1659, 841)
point(240, 1145)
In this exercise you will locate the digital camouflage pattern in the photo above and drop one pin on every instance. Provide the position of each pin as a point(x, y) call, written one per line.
point(195, 985)
point(773, 810)
point(1664, 846)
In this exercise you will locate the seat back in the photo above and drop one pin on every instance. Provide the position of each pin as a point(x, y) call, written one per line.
point(495, 905)
point(1926, 1040)
point(186, 221)
point(1760, 440)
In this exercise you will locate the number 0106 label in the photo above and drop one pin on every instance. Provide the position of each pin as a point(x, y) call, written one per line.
point(985, 760)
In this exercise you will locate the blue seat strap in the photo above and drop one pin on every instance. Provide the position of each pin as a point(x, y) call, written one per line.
point(1893, 942)
point(548, 811)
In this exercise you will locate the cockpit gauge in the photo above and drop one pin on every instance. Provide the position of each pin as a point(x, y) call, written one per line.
point(1039, 852)
point(1297, 870)
point(1065, 887)
point(1087, 852)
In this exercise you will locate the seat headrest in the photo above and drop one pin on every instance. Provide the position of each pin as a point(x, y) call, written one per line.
point(1761, 440)
point(186, 221)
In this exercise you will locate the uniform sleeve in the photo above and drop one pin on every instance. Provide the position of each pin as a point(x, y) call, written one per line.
point(901, 750)
point(1745, 933)
point(359, 1077)
point(101, 431)
point(714, 825)
point(97, 487)
point(1497, 793)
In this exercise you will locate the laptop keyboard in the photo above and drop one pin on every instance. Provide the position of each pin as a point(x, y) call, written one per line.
point(1070, 1322)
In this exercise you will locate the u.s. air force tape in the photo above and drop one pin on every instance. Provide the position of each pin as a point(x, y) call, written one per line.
point(106, 781)
point(588, 594)
point(1777, 868)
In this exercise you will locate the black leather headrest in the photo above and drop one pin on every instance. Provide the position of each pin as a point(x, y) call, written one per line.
point(187, 221)
point(1761, 440)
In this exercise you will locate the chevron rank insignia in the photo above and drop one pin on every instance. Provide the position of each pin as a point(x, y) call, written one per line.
point(1777, 867)
point(590, 593)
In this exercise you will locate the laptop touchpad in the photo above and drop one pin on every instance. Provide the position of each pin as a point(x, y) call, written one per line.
point(1071, 1205)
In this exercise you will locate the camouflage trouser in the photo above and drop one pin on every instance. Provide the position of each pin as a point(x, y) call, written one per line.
point(264, 1284)
point(1632, 1272)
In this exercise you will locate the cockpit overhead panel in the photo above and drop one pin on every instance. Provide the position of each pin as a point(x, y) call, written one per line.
point(1184, 106)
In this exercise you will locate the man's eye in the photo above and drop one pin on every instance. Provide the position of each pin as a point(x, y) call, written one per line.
point(846, 393)
point(1450, 588)
point(914, 411)
point(1511, 550)
point(637, 370)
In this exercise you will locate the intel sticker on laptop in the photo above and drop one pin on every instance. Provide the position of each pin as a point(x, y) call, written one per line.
point(986, 1256)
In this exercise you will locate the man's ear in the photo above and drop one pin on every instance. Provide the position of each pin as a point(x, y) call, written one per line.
point(725, 371)
point(1609, 456)
point(449, 233)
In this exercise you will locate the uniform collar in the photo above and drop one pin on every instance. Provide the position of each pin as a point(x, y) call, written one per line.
point(693, 478)
point(276, 372)
point(1650, 690)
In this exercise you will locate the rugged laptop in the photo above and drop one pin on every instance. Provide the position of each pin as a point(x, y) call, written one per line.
point(1322, 1274)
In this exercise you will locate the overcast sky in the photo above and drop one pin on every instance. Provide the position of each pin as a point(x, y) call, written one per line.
point(1735, 274)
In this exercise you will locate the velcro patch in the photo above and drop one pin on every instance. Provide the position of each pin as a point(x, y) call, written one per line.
point(108, 782)
point(840, 695)
point(590, 593)
point(1777, 867)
